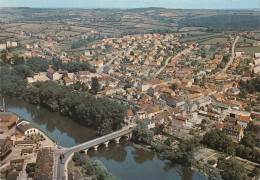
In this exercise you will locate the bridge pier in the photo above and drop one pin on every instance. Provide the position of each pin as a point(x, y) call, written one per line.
point(117, 140)
point(106, 144)
point(86, 151)
point(96, 147)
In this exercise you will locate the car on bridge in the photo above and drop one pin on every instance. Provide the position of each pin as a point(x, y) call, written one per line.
point(62, 158)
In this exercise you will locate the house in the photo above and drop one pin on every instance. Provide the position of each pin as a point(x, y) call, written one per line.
point(187, 82)
point(190, 107)
point(150, 124)
point(141, 114)
point(243, 121)
point(17, 162)
point(26, 151)
point(108, 70)
point(98, 64)
point(13, 175)
point(67, 81)
point(234, 131)
point(162, 117)
point(143, 86)
point(203, 101)
point(44, 165)
point(217, 97)
point(27, 129)
point(172, 101)
point(219, 126)
point(195, 119)
point(52, 75)
point(6, 146)
point(7, 120)
point(24, 143)
point(234, 90)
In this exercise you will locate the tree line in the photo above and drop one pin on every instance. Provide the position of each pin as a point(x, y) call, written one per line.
point(99, 113)
point(223, 22)
point(217, 140)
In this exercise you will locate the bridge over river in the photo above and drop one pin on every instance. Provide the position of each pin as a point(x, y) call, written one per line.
point(61, 169)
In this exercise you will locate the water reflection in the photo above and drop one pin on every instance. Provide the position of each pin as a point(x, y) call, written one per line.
point(122, 160)
point(61, 128)
point(141, 156)
point(138, 164)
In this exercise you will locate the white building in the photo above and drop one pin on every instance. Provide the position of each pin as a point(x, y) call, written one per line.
point(27, 129)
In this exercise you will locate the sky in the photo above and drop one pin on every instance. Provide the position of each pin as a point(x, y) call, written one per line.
point(174, 4)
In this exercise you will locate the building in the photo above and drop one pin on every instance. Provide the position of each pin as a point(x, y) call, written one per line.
point(25, 143)
point(14, 175)
point(150, 124)
point(52, 75)
point(235, 131)
point(7, 120)
point(172, 101)
point(44, 165)
point(108, 70)
point(27, 129)
point(6, 146)
point(26, 151)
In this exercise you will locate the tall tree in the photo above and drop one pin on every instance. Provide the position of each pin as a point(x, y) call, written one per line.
point(95, 86)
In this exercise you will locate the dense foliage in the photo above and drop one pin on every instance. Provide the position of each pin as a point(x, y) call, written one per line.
point(77, 66)
point(142, 134)
point(223, 22)
point(217, 140)
point(95, 169)
point(231, 169)
point(11, 83)
point(98, 113)
point(86, 110)
point(38, 64)
point(251, 86)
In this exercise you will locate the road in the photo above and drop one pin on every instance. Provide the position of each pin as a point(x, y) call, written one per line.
point(231, 58)
point(62, 168)
point(111, 61)
point(167, 61)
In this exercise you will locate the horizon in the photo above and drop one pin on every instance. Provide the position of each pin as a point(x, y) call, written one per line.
point(132, 4)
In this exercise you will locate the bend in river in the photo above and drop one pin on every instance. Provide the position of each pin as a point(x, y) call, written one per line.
point(122, 160)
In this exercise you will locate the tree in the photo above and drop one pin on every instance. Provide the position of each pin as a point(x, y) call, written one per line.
point(22, 70)
point(38, 64)
point(77, 85)
point(169, 141)
point(18, 60)
point(256, 171)
point(231, 169)
point(174, 86)
point(141, 133)
point(215, 175)
point(250, 139)
point(76, 156)
point(95, 87)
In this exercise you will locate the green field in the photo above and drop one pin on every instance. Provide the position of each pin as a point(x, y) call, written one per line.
point(216, 41)
point(250, 50)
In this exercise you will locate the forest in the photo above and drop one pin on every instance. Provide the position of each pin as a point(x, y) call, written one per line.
point(224, 22)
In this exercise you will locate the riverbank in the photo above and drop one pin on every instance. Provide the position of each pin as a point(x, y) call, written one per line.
point(86, 168)
point(117, 158)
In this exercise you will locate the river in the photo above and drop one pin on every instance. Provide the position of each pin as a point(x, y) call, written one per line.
point(122, 160)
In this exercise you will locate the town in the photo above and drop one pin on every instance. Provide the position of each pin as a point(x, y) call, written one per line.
point(180, 87)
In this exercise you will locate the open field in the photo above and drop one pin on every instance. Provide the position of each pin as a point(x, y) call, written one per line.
point(216, 41)
point(250, 50)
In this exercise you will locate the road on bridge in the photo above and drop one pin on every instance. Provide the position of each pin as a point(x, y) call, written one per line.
point(62, 169)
